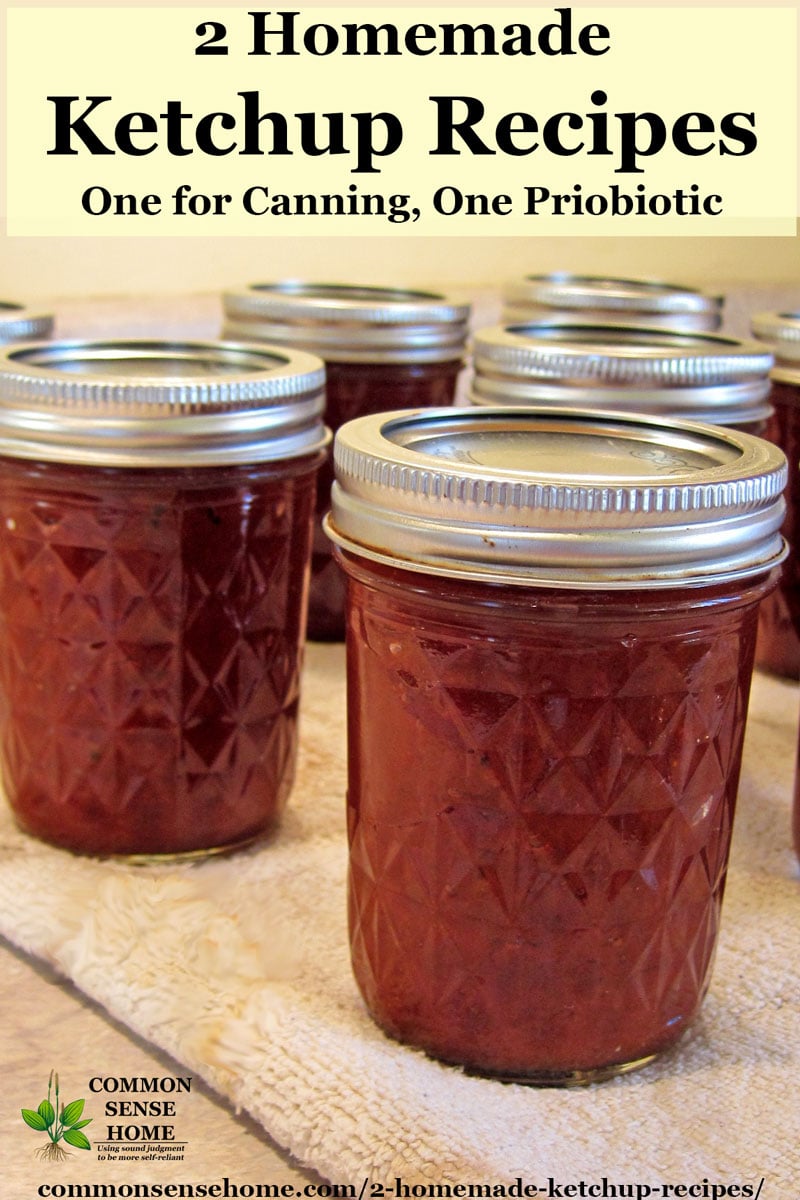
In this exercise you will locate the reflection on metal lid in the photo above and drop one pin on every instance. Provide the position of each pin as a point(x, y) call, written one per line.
point(343, 322)
point(591, 298)
point(131, 402)
point(18, 323)
point(701, 376)
point(569, 499)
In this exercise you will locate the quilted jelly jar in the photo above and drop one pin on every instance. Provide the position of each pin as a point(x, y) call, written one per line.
point(384, 348)
point(156, 503)
point(778, 647)
point(551, 625)
point(700, 376)
point(593, 299)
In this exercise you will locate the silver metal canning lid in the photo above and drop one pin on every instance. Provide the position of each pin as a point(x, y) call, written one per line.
point(782, 331)
point(148, 403)
point(18, 323)
point(700, 376)
point(567, 499)
point(632, 301)
point(345, 323)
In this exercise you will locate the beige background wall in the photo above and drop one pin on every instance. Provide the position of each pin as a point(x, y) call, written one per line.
point(117, 266)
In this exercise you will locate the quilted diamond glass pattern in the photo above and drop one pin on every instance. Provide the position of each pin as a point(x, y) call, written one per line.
point(778, 644)
point(542, 786)
point(151, 625)
point(353, 390)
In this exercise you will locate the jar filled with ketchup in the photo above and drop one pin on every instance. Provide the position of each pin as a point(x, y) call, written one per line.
point(156, 506)
point(778, 647)
point(779, 628)
point(384, 348)
point(551, 626)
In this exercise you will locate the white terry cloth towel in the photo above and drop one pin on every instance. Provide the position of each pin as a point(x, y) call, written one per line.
point(239, 968)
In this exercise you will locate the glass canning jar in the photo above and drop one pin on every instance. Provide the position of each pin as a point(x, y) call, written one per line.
point(384, 348)
point(778, 647)
point(698, 376)
point(591, 299)
point(156, 503)
point(551, 625)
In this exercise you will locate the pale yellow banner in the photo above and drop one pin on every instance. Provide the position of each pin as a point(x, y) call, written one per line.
point(403, 121)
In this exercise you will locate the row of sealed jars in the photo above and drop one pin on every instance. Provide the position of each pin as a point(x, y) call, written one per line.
point(103, 414)
point(551, 625)
point(571, 836)
point(389, 348)
point(677, 370)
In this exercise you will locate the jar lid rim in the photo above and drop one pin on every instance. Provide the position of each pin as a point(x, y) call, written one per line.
point(599, 497)
point(19, 322)
point(568, 290)
point(344, 303)
point(610, 353)
point(146, 401)
point(778, 322)
point(177, 372)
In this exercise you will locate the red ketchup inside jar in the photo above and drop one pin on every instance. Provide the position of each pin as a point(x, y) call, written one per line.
point(384, 348)
point(778, 648)
point(153, 581)
point(551, 627)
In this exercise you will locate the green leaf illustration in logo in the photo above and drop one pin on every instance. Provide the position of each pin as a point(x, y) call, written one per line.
point(64, 1127)
point(71, 1113)
point(47, 1112)
point(34, 1119)
point(77, 1139)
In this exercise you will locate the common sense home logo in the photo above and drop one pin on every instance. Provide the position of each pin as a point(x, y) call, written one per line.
point(61, 1123)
